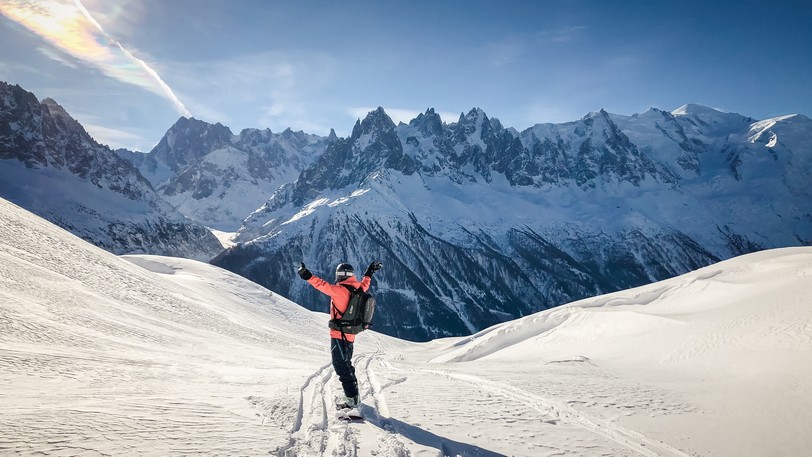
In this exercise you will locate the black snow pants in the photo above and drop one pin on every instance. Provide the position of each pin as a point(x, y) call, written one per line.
point(342, 363)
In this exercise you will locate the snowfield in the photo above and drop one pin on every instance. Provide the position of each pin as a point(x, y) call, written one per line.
point(145, 355)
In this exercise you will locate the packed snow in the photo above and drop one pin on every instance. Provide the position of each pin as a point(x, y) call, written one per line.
point(146, 355)
point(226, 239)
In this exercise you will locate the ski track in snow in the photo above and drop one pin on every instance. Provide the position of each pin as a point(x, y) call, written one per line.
point(398, 432)
point(628, 438)
point(317, 431)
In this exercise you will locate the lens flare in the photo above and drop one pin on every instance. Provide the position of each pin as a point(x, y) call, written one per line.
point(71, 28)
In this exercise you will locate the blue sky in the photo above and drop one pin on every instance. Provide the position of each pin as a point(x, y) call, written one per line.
point(128, 69)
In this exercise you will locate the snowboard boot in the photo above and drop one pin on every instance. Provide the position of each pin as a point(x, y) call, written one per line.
point(349, 403)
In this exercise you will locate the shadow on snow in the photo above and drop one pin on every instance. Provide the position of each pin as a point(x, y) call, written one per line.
point(426, 438)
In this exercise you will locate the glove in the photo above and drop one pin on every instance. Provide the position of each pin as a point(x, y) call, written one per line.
point(373, 267)
point(304, 273)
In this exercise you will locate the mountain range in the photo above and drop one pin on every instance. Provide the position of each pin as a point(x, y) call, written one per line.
point(218, 178)
point(51, 166)
point(475, 223)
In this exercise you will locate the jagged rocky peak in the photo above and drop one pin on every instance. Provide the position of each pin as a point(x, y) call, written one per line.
point(496, 124)
point(428, 123)
point(56, 110)
point(20, 116)
point(43, 133)
point(472, 116)
point(375, 121)
point(373, 146)
point(468, 124)
point(596, 123)
point(475, 118)
point(289, 133)
point(188, 140)
point(12, 96)
point(666, 115)
point(264, 139)
point(298, 137)
point(189, 127)
point(253, 136)
point(65, 122)
point(375, 142)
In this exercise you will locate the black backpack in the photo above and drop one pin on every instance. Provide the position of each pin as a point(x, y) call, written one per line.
point(358, 315)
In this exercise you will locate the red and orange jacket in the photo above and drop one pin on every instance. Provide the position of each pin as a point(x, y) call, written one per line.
point(339, 297)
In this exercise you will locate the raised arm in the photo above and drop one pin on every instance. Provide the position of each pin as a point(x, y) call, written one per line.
point(332, 290)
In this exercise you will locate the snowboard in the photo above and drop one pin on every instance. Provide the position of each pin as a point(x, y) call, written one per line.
point(349, 415)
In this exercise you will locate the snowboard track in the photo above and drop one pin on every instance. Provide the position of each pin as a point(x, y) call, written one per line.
point(316, 430)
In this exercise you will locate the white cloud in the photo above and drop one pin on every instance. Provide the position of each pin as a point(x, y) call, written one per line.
point(56, 57)
point(115, 138)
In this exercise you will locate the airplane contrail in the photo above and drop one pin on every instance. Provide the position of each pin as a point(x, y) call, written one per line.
point(150, 71)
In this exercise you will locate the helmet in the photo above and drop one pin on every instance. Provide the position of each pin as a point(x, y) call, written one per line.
point(344, 271)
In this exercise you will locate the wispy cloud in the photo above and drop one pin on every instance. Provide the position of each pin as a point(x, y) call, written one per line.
point(115, 138)
point(56, 56)
point(504, 53)
point(513, 49)
point(564, 34)
point(71, 28)
point(272, 89)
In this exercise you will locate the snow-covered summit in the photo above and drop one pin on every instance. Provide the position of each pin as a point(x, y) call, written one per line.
point(711, 121)
point(690, 109)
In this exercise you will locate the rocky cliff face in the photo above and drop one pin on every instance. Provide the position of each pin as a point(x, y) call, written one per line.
point(52, 167)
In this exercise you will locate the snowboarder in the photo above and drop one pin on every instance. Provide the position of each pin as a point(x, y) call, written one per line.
point(341, 344)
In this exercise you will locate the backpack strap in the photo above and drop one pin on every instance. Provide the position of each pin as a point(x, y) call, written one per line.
point(352, 290)
point(338, 317)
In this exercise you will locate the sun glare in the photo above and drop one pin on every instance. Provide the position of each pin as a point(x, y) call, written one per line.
point(71, 28)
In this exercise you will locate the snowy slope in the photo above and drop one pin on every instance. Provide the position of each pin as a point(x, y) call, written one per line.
point(162, 356)
point(732, 340)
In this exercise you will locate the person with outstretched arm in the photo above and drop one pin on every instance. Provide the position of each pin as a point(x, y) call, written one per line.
point(341, 344)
